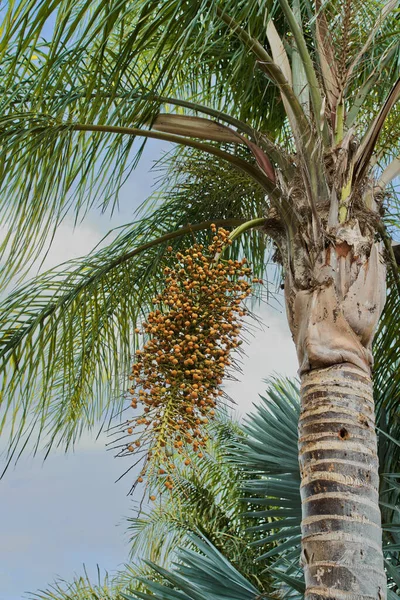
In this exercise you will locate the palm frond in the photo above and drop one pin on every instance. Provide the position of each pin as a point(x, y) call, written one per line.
point(370, 139)
point(33, 218)
point(386, 390)
point(268, 454)
point(197, 543)
point(72, 107)
point(107, 70)
point(160, 45)
point(304, 54)
point(201, 502)
point(81, 588)
point(69, 332)
point(204, 574)
point(387, 366)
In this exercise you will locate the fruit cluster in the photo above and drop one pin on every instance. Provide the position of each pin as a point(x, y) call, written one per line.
point(176, 378)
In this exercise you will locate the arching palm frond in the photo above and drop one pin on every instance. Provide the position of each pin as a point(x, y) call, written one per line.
point(201, 501)
point(65, 103)
point(72, 107)
point(82, 588)
point(70, 113)
point(204, 574)
point(70, 331)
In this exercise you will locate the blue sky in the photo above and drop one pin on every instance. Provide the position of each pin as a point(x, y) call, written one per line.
point(58, 515)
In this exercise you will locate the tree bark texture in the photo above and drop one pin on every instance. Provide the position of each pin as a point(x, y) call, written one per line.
point(341, 526)
point(334, 300)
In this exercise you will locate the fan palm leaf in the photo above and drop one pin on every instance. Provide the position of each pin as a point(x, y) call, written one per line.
point(266, 456)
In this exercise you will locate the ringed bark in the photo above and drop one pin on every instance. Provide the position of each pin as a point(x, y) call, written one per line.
point(341, 522)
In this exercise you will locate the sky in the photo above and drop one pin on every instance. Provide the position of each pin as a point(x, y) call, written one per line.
point(66, 512)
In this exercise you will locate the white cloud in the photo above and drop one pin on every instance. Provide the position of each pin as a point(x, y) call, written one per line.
point(271, 351)
point(71, 242)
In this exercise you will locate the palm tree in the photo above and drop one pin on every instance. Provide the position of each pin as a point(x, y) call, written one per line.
point(200, 542)
point(287, 117)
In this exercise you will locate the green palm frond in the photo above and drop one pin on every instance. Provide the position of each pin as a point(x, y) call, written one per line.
point(201, 573)
point(201, 502)
point(30, 221)
point(375, 73)
point(197, 543)
point(99, 587)
point(69, 332)
point(71, 110)
point(387, 398)
point(386, 378)
point(268, 454)
point(81, 588)
point(196, 183)
point(117, 70)
point(204, 574)
point(154, 46)
point(386, 359)
point(72, 107)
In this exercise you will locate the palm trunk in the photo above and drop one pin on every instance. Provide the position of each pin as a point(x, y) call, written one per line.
point(334, 299)
point(341, 526)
